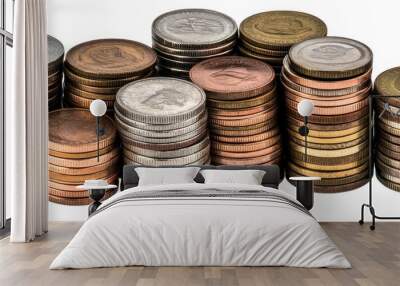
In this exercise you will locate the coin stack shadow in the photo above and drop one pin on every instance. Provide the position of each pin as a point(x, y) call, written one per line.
point(55, 52)
point(98, 68)
point(387, 111)
point(185, 37)
point(268, 36)
point(163, 122)
point(335, 74)
point(73, 154)
point(241, 101)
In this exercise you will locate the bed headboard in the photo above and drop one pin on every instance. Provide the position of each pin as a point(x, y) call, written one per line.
point(271, 178)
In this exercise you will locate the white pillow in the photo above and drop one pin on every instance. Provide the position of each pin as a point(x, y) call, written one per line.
point(247, 177)
point(166, 176)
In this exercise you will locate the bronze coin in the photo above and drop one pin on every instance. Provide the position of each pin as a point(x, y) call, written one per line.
point(84, 171)
point(329, 153)
point(328, 161)
point(233, 77)
point(381, 134)
point(240, 131)
point(245, 120)
point(83, 155)
point(341, 188)
point(387, 83)
point(389, 181)
point(92, 89)
point(332, 133)
point(246, 139)
point(55, 77)
point(382, 125)
point(333, 119)
point(291, 76)
point(246, 147)
point(74, 131)
point(390, 153)
point(334, 146)
point(261, 51)
point(69, 194)
point(250, 154)
point(332, 182)
point(332, 140)
point(82, 163)
point(63, 178)
point(387, 160)
point(110, 59)
point(323, 127)
point(386, 169)
point(385, 110)
point(274, 61)
point(263, 159)
point(70, 89)
point(388, 145)
point(327, 174)
point(335, 167)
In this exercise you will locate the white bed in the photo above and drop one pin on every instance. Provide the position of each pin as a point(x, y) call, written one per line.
point(222, 225)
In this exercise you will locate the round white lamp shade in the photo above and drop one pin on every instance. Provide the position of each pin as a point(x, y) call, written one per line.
point(98, 107)
point(305, 108)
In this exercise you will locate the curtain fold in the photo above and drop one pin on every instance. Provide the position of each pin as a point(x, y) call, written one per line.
point(27, 123)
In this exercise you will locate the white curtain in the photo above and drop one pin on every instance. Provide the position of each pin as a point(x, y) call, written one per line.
point(27, 123)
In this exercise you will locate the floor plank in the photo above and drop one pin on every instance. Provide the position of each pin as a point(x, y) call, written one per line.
point(375, 257)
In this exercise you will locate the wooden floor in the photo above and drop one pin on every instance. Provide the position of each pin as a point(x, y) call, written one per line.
point(375, 257)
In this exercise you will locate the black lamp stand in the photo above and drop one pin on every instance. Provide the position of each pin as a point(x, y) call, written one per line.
point(369, 205)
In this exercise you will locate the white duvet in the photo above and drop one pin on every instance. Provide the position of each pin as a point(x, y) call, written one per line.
point(200, 231)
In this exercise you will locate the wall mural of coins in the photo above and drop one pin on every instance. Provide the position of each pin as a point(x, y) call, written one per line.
point(55, 54)
point(241, 101)
point(162, 121)
point(387, 120)
point(73, 154)
point(98, 69)
point(335, 74)
point(184, 37)
point(268, 36)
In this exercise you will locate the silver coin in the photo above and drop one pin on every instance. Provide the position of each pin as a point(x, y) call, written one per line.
point(330, 58)
point(194, 29)
point(159, 127)
point(55, 50)
point(160, 100)
point(182, 152)
point(149, 161)
point(206, 160)
point(175, 139)
point(161, 134)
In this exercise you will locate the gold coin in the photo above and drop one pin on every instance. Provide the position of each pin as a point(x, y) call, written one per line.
point(336, 140)
point(331, 146)
point(327, 174)
point(83, 102)
point(341, 188)
point(328, 161)
point(338, 167)
point(329, 153)
point(332, 134)
point(389, 181)
point(332, 182)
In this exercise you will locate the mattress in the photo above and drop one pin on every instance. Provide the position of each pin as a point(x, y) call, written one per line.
point(201, 225)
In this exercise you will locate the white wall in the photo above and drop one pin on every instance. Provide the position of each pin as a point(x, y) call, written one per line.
point(372, 22)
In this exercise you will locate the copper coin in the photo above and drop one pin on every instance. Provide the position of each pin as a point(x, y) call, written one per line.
point(332, 182)
point(240, 104)
point(71, 187)
point(84, 171)
point(335, 127)
point(296, 155)
point(233, 77)
point(119, 82)
point(83, 155)
point(239, 132)
point(331, 140)
point(110, 59)
point(246, 139)
point(329, 153)
point(241, 111)
point(92, 89)
point(333, 119)
point(246, 147)
point(62, 178)
point(325, 101)
point(70, 89)
point(247, 161)
point(75, 201)
point(84, 102)
point(331, 110)
point(333, 146)
point(55, 77)
point(250, 154)
point(74, 131)
point(331, 167)
point(324, 84)
point(165, 146)
point(388, 137)
point(245, 120)
point(82, 163)
point(341, 188)
point(68, 194)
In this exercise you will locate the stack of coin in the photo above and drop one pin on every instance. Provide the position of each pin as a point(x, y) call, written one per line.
point(387, 110)
point(335, 75)
point(97, 69)
point(55, 52)
point(268, 36)
point(73, 154)
point(162, 122)
point(184, 37)
point(241, 101)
